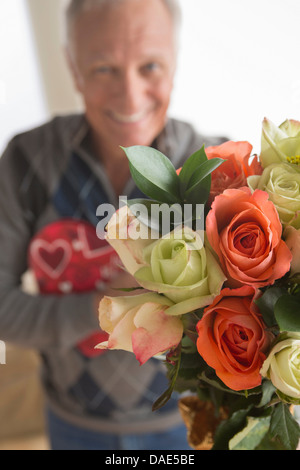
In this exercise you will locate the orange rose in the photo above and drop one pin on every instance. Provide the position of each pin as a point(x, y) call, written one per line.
point(236, 168)
point(292, 239)
point(245, 232)
point(232, 338)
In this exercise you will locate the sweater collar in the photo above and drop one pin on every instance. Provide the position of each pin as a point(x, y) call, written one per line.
point(172, 141)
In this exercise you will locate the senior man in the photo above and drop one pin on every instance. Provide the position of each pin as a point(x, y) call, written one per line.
point(122, 55)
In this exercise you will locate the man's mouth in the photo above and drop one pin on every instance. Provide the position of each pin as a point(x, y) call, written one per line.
point(129, 118)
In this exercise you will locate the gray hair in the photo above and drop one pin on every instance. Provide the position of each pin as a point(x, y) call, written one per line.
point(77, 7)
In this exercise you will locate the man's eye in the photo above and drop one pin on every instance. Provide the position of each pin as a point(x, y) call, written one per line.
point(151, 67)
point(103, 69)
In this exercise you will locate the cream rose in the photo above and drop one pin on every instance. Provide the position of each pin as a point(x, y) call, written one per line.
point(282, 183)
point(280, 144)
point(139, 324)
point(282, 367)
point(182, 267)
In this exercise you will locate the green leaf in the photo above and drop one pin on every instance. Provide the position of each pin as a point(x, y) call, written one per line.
point(162, 218)
point(127, 289)
point(268, 391)
point(190, 166)
point(287, 313)
point(266, 304)
point(200, 184)
point(285, 427)
point(195, 177)
point(269, 443)
point(153, 173)
point(202, 172)
point(165, 397)
point(216, 383)
point(229, 428)
point(252, 434)
point(200, 193)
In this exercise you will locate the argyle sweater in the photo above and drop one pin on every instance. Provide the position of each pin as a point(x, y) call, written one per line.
point(47, 174)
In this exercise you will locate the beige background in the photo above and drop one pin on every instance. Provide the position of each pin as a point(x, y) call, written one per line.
point(47, 25)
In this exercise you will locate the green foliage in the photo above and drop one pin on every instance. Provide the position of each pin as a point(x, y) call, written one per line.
point(280, 308)
point(229, 428)
point(245, 430)
point(266, 304)
point(156, 176)
point(175, 360)
point(251, 436)
point(195, 177)
point(287, 312)
point(284, 427)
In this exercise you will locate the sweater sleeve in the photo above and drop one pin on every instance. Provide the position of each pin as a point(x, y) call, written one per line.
point(35, 321)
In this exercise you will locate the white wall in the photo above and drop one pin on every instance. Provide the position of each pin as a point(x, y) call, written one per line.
point(238, 62)
point(22, 100)
point(47, 26)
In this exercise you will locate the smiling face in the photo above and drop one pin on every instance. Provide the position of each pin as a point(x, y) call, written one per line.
point(123, 64)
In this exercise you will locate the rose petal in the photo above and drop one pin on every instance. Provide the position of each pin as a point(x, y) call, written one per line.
point(231, 338)
point(245, 231)
point(155, 332)
point(292, 239)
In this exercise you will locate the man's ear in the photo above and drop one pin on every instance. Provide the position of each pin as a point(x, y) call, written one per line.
point(73, 69)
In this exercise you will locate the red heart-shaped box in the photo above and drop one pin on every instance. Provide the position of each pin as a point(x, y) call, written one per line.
point(67, 257)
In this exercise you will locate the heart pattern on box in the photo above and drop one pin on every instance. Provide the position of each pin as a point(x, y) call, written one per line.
point(66, 256)
point(52, 257)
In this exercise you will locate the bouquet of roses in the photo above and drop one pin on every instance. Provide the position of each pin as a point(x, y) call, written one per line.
point(215, 246)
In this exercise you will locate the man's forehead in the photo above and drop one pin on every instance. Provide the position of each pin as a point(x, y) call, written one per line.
point(103, 37)
point(111, 21)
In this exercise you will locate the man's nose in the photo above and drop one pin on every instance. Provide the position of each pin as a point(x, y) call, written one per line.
point(132, 90)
